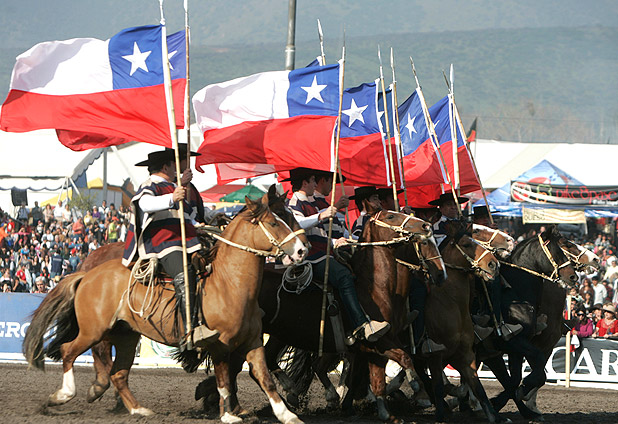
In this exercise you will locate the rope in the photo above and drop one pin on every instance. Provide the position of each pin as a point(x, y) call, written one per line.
point(306, 277)
point(139, 274)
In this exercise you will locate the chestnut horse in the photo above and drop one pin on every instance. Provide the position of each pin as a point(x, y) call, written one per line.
point(90, 306)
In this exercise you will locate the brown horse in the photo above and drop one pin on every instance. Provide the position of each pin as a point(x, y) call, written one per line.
point(90, 306)
point(447, 314)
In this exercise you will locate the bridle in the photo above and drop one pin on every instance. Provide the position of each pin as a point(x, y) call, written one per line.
point(575, 259)
point(278, 245)
point(474, 263)
point(422, 266)
point(555, 275)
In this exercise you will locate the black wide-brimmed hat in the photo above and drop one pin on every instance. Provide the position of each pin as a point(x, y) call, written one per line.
point(361, 193)
point(299, 174)
point(386, 192)
point(479, 211)
point(445, 197)
point(163, 156)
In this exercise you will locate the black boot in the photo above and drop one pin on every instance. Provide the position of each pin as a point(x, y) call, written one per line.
point(202, 335)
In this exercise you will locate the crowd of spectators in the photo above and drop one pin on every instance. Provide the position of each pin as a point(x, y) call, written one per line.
point(41, 245)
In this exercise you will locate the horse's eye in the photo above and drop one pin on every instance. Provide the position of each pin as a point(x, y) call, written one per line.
point(390, 216)
point(274, 224)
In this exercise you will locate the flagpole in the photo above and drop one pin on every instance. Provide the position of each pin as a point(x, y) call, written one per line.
point(181, 209)
point(321, 37)
point(332, 201)
point(476, 171)
point(451, 102)
point(187, 90)
point(388, 135)
point(396, 131)
point(434, 137)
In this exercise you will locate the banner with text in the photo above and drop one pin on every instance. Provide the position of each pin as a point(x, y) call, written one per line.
point(564, 194)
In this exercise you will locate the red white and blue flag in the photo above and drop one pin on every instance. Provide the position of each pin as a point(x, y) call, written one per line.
point(272, 121)
point(113, 88)
point(362, 148)
point(463, 176)
point(421, 160)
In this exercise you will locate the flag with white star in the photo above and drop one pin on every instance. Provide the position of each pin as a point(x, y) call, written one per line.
point(283, 119)
point(98, 93)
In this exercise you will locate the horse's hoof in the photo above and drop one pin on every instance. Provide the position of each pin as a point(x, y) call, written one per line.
point(59, 398)
point(144, 412)
point(293, 400)
point(95, 392)
point(228, 418)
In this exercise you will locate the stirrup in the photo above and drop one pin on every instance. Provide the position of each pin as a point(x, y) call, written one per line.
point(429, 346)
point(541, 324)
point(203, 336)
point(510, 330)
point(482, 333)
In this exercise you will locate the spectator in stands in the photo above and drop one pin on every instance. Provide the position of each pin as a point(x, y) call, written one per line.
point(41, 286)
point(584, 326)
point(22, 214)
point(588, 301)
point(609, 289)
point(113, 212)
point(88, 219)
point(104, 209)
point(6, 286)
point(36, 213)
point(112, 229)
point(58, 212)
point(78, 228)
point(95, 213)
point(600, 292)
point(597, 313)
point(586, 287)
point(67, 216)
point(56, 264)
point(608, 326)
point(48, 215)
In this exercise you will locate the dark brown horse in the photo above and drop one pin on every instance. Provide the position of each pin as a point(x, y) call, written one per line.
point(90, 306)
point(535, 260)
point(554, 298)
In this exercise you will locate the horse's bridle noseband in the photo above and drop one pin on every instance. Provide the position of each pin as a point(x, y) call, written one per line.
point(279, 252)
point(399, 229)
point(555, 274)
point(474, 263)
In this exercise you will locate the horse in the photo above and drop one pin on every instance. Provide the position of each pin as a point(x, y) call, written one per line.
point(447, 313)
point(534, 260)
point(95, 305)
point(554, 297)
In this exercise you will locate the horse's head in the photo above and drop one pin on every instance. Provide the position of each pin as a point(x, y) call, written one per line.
point(273, 234)
point(431, 260)
point(499, 242)
point(552, 259)
point(581, 258)
point(462, 252)
point(389, 225)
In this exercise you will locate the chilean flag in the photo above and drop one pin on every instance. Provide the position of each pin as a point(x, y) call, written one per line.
point(279, 120)
point(362, 150)
point(421, 160)
point(113, 88)
point(441, 117)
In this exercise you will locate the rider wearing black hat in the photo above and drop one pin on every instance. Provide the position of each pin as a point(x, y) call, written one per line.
point(312, 219)
point(154, 231)
point(367, 200)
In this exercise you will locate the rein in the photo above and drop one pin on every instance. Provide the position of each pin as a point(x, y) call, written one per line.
point(265, 253)
point(551, 277)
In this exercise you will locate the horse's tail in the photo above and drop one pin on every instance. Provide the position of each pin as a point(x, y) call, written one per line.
point(297, 364)
point(56, 309)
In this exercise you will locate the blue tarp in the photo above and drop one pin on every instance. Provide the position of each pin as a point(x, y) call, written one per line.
point(544, 172)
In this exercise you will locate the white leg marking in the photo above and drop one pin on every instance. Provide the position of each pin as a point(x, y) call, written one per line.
point(145, 412)
point(282, 413)
point(228, 418)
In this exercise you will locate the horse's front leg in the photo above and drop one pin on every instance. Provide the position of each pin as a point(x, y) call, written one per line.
point(257, 363)
point(224, 387)
point(377, 380)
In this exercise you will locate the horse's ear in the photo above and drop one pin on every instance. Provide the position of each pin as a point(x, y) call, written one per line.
point(272, 191)
point(266, 199)
point(251, 204)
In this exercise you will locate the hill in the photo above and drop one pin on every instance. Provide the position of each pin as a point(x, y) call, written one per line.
point(526, 84)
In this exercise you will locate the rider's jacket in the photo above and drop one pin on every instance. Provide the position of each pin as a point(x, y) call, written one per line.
point(359, 225)
point(157, 233)
point(321, 203)
point(307, 213)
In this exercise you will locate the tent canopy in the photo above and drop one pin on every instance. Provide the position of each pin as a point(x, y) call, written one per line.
point(238, 196)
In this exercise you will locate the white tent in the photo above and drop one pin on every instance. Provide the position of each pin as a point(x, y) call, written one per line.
point(499, 162)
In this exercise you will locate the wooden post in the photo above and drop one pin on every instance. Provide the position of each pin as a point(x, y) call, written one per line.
point(567, 352)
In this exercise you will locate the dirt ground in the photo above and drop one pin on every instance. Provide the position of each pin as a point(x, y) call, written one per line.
point(170, 393)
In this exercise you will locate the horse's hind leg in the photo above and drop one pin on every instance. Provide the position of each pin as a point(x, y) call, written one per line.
point(257, 363)
point(102, 361)
point(69, 351)
point(321, 367)
point(125, 343)
point(466, 366)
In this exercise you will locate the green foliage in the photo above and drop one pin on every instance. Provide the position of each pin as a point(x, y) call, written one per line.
point(82, 202)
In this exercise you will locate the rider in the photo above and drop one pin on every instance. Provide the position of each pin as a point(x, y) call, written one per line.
point(480, 216)
point(155, 231)
point(314, 221)
point(366, 199)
